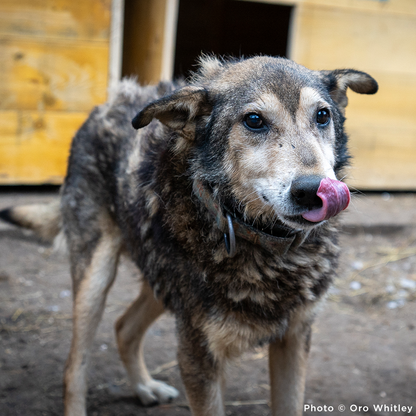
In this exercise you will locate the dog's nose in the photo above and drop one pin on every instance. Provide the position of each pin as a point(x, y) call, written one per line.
point(304, 191)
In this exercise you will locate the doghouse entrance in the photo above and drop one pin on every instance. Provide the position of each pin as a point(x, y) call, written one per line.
point(165, 36)
point(229, 27)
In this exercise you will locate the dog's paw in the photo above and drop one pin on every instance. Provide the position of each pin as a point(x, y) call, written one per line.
point(155, 392)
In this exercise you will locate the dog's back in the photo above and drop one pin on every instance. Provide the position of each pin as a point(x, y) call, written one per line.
point(101, 147)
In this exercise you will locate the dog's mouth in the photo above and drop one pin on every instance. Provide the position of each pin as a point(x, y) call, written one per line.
point(301, 221)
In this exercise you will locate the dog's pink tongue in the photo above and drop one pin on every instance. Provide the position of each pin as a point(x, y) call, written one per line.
point(335, 197)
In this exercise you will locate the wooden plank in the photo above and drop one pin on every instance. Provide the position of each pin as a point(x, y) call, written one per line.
point(382, 132)
point(34, 146)
point(55, 56)
point(66, 19)
point(333, 37)
point(407, 7)
point(169, 39)
point(144, 27)
point(55, 75)
point(116, 46)
point(382, 166)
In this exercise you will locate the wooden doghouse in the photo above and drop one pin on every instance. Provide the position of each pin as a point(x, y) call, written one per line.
point(58, 58)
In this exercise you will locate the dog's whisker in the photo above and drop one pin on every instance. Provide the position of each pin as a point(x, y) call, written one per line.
point(356, 191)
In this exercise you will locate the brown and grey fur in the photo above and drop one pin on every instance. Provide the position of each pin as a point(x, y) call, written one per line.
point(133, 191)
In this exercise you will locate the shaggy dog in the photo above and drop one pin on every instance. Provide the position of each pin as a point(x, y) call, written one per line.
point(226, 199)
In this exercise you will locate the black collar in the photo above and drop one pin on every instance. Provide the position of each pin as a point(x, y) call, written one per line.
point(232, 226)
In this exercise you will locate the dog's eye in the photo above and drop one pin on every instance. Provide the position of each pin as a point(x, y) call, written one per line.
point(323, 117)
point(254, 122)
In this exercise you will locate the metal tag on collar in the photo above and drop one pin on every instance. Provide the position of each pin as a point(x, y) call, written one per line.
point(230, 238)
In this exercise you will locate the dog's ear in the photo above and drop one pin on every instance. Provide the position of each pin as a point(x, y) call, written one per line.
point(339, 80)
point(175, 110)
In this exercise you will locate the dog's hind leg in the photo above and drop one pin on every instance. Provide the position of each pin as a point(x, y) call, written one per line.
point(130, 330)
point(94, 258)
point(287, 364)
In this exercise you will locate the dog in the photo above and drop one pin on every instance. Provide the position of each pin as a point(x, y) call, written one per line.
point(227, 199)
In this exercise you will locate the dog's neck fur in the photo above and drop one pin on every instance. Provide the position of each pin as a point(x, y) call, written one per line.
point(278, 241)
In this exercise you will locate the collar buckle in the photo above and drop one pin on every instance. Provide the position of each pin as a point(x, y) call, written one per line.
point(229, 239)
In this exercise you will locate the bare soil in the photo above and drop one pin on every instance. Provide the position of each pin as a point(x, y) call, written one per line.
point(364, 340)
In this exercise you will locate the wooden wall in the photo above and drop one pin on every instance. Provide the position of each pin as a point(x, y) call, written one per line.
point(54, 69)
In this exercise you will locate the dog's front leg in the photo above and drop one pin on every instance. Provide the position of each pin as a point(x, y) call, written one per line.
point(287, 364)
point(202, 375)
point(131, 328)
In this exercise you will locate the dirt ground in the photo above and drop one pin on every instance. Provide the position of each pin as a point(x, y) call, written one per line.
point(363, 348)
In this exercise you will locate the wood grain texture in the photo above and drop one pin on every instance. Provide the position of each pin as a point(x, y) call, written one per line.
point(333, 37)
point(54, 69)
point(63, 19)
point(34, 146)
point(387, 6)
point(143, 39)
point(52, 75)
point(382, 132)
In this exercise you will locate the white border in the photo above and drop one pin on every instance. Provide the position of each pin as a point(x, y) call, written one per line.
point(169, 39)
point(116, 46)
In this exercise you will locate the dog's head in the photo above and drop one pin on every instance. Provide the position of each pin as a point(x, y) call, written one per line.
point(267, 135)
